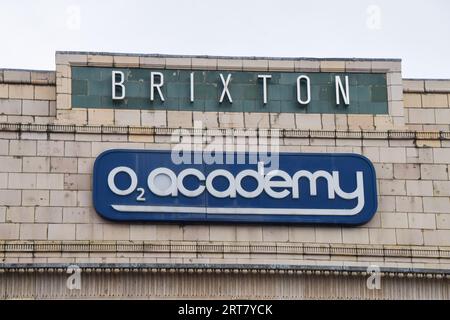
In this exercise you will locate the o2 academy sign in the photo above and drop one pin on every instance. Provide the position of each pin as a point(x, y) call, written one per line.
point(320, 92)
point(304, 188)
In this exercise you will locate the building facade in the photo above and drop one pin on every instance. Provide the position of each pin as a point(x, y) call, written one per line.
point(55, 124)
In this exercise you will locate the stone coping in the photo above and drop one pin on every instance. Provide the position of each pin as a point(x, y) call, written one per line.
point(426, 85)
point(270, 269)
point(283, 133)
point(319, 249)
point(24, 76)
point(158, 55)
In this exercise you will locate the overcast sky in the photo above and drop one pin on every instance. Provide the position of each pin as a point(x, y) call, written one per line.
point(418, 32)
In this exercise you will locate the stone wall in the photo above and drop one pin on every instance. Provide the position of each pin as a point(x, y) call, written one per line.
point(46, 212)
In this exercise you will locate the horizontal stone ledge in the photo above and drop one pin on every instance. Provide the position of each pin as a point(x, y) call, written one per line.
point(282, 133)
point(23, 76)
point(223, 248)
point(269, 269)
point(158, 55)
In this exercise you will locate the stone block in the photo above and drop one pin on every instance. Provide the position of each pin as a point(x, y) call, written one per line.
point(409, 237)
point(178, 63)
point(169, 232)
point(36, 164)
point(413, 85)
point(392, 187)
point(48, 215)
point(409, 204)
point(20, 214)
point(63, 165)
point(204, 63)
point(61, 231)
point(73, 116)
point(275, 234)
point(11, 197)
point(33, 231)
point(21, 91)
point(229, 64)
point(4, 91)
point(282, 65)
point(307, 65)
point(358, 66)
point(332, 66)
point(196, 233)
point(360, 122)
point(443, 221)
point(179, 119)
point(441, 155)
point(419, 188)
point(249, 233)
point(422, 221)
point(355, 235)
point(50, 148)
point(307, 121)
point(436, 204)
point(231, 120)
point(17, 76)
point(222, 233)
point(406, 171)
point(77, 149)
point(433, 100)
point(434, 171)
point(441, 188)
point(157, 119)
point(256, 65)
point(91, 232)
point(22, 181)
point(437, 237)
point(124, 61)
point(100, 60)
point(282, 120)
point(10, 107)
point(302, 234)
point(254, 120)
point(101, 116)
point(73, 59)
point(328, 235)
point(382, 236)
point(35, 197)
point(209, 120)
point(152, 62)
point(127, 117)
point(394, 220)
point(63, 198)
point(393, 155)
point(45, 93)
point(9, 231)
point(50, 181)
point(10, 164)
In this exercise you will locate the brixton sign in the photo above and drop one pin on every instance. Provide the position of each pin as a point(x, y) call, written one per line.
point(240, 91)
point(306, 188)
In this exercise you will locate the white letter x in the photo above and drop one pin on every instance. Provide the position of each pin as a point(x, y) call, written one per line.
point(225, 88)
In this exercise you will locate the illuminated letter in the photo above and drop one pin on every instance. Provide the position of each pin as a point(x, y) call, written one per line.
point(225, 88)
point(340, 90)
point(116, 84)
point(264, 77)
point(156, 86)
point(308, 90)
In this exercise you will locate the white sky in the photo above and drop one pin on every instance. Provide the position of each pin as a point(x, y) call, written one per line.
point(416, 31)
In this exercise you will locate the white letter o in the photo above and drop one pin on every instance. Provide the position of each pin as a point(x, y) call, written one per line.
point(112, 185)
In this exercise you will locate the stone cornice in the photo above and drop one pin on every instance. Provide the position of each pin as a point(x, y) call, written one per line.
point(311, 249)
point(269, 269)
point(283, 133)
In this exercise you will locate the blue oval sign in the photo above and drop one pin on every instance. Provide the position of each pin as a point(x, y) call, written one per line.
point(136, 185)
